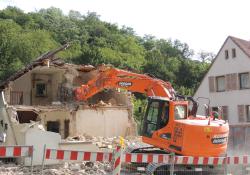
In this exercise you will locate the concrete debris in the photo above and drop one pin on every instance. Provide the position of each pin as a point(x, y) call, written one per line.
point(81, 168)
point(105, 142)
point(85, 68)
point(100, 104)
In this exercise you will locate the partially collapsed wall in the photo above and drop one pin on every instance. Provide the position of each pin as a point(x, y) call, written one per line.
point(38, 107)
point(45, 95)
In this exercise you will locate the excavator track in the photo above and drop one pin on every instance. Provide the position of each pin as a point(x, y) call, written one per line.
point(143, 148)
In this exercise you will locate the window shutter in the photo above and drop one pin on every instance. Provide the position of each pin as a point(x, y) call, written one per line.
point(225, 112)
point(231, 82)
point(211, 84)
point(234, 81)
point(241, 113)
point(228, 82)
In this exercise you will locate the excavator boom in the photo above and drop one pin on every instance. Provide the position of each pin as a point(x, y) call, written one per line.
point(109, 77)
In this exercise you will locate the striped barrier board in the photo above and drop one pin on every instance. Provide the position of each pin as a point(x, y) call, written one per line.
point(15, 151)
point(164, 158)
point(187, 160)
point(238, 160)
point(128, 157)
point(145, 158)
point(56, 154)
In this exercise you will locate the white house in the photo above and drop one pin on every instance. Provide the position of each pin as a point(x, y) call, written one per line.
point(227, 82)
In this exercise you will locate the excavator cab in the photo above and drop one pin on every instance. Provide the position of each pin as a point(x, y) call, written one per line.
point(158, 115)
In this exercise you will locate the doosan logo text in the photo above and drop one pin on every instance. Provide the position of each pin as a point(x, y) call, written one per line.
point(124, 84)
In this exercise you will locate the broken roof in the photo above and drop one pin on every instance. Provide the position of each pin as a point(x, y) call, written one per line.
point(42, 60)
point(38, 61)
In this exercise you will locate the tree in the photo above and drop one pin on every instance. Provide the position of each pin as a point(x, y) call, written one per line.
point(10, 60)
point(24, 36)
point(183, 48)
point(206, 56)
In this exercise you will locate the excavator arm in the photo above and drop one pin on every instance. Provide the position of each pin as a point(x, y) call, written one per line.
point(110, 78)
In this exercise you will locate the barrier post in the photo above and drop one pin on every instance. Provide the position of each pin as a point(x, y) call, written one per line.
point(225, 165)
point(44, 156)
point(31, 159)
point(117, 157)
point(117, 161)
point(172, 161)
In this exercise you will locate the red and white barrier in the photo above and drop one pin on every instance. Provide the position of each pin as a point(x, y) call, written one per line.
point(117, 161)
point(187, 160)
point(117, 157)
point(164, 158)
point(77, 155)
point(16, 151)
point(145, 158)
point(238, 160)
point(56, 154)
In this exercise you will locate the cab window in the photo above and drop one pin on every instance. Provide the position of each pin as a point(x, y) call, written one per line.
point(164, 116)
point(153, 112)
point(151, 120)
point(180, 112)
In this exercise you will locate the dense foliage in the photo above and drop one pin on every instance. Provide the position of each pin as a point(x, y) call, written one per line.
point(24, 36)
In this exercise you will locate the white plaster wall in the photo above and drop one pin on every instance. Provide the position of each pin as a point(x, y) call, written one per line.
point(23, 84)
point(223, 66)
point(105, 122)
point(38, 139)
point(10, 138)
point(57, 116)
point(79, 145)
point(57, 79)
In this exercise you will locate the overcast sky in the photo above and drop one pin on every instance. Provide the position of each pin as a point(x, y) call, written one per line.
point(202, 24)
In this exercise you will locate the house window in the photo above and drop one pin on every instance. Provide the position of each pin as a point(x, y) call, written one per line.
point(226, 54)
point(41, 90)
point(233, 53)
point(244, 81)
point(248, 112)
point(220, 84)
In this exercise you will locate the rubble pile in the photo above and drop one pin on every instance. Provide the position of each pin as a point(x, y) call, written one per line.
point(81, 168)
point(105, 142)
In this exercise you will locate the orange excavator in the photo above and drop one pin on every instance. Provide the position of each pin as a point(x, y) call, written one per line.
point(168, 123)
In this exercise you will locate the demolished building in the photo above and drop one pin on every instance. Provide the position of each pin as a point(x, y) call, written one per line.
point(41, 95)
